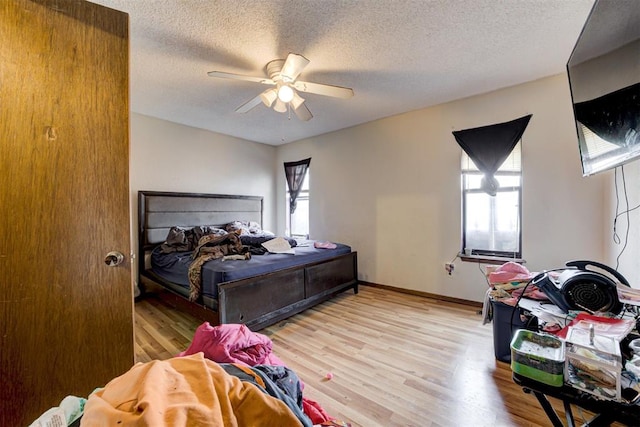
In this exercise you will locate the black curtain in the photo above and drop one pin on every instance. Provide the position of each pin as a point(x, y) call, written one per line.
point(614, 117)
point(295, 173)
point(489, 146)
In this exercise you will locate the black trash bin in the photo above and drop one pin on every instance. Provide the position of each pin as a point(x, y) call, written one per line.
point(504, 329)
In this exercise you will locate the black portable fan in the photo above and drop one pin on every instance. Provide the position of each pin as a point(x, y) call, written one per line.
point(578, 288)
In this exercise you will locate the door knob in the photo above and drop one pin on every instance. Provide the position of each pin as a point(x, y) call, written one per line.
point(113, 259)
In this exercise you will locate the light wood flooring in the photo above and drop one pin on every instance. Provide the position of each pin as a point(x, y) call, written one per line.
point(396, 360)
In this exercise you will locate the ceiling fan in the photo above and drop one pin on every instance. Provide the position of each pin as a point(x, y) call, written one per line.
point(282, 75)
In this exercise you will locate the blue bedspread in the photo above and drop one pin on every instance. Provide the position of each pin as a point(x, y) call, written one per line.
point(174, 267)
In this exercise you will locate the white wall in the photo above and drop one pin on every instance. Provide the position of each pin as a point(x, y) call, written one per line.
point(167, 156)
point(391, 189)
point(623, 256)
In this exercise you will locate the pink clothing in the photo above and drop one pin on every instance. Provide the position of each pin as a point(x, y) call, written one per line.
point(232, 343)
point(314, 411)
point(510, 272)
point(235, 343)
point(324, 245)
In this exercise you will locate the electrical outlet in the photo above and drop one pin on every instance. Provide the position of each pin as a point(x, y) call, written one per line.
point(449, 267)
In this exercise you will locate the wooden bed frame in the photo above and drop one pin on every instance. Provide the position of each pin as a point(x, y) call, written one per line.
point(258, 301)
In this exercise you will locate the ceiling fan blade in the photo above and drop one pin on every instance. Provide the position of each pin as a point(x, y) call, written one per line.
point(322, 89)
point(222, 74)
point(293, 66)
point(303, 113)
point(249, 105)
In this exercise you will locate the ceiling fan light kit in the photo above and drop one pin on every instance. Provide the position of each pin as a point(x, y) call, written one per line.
point(269, 96)
point(283, 74)
point(296, 101)
point(285, 93)
point(280, 107)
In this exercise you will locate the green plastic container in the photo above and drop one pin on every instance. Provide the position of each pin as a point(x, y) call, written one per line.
point(538, 356)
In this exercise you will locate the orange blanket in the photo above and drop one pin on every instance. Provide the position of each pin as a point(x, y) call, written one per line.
point(183, 391)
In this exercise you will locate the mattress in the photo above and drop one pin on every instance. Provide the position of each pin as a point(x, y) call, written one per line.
point(174, 267)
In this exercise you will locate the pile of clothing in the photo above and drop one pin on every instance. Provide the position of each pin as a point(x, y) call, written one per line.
point(506, 285)
point(189, 390)
point(508, 281)
point(235, 343)
point(227, 376)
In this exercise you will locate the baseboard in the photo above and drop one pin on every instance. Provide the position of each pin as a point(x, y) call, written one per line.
point(474, 304)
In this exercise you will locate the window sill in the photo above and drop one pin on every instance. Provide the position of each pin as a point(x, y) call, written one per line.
point(485, 259)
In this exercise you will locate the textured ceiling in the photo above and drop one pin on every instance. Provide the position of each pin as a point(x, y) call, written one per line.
point(397, 55)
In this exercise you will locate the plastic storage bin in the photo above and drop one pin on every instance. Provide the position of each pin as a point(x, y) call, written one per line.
point(538, 356)
point(593, 364)
point(503, 330)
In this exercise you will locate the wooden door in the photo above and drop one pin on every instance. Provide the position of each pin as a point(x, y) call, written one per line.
point(66, 318)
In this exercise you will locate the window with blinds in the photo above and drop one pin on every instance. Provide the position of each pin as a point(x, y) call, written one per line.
point(491, 225)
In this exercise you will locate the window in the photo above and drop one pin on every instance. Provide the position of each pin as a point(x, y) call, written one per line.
point(298, 221)
point(491, 225)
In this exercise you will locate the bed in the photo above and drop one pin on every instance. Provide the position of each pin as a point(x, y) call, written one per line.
point(257, 292)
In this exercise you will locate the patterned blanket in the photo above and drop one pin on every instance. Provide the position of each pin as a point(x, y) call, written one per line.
point(212, 246)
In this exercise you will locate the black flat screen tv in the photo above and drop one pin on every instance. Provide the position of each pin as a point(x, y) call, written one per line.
point(604, 78)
